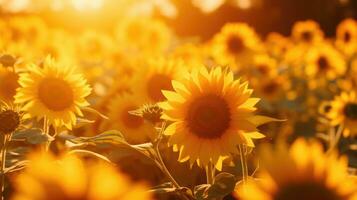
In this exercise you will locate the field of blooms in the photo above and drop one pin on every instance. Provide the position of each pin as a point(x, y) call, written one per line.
point(137, 112)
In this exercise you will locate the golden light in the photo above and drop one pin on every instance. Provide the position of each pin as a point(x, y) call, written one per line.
point(84, 5)
point(244, 4)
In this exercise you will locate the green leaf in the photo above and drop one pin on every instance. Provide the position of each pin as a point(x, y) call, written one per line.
point(94, 111)
point(17, 166)
point(32, 136)
point(224, 184)
point(88, 153)
point(200, 191)
point(82, 122)
point(163, 190)
point(163, 185)
point(108, 137)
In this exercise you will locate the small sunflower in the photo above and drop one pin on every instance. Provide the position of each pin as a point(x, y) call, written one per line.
point(271, 87)
point(148, 35)
point(265, 65)
point(235, 44)
point(8, 84)
point(346, 36)
point(325, 62)
point(344, 112)
point(53, 91)
point(301, 172)
point(277, 45)
point(156, 76)
point(49, 178)
point(10, 119)
point(211, 113)
point(134, 128)
point(307, 32)
point(191, 54)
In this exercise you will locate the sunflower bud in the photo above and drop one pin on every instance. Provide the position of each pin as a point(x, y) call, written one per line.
point(150, 112)
point(9, 121)
point(7, 60)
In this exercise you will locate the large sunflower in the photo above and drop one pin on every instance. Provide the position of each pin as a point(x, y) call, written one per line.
point(53, 92)
point(307, 32)
point(343, 112)
point(71, 178)
point(302, 172)
point(211, 113)
point(346, 36)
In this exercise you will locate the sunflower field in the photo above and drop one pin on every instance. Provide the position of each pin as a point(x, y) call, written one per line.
point(178, 99)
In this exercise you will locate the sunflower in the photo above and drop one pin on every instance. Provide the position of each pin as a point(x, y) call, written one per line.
point(265, 65)
point(53, 92)
point(343, 112)
point(93, 47)
point(211, 113)
point(346, 36)
point(11, 119)
point(156, 75)
point(8, 84)
point(49, 178)
point(323, 61)
point(133, 127)
point(307, 32)
point(301, 172)
point(277, 44)
point(272, 87)
point(235, 44)
point(147, 35)
point(191, 54)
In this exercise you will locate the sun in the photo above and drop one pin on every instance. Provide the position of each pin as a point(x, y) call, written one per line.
point(53, 92)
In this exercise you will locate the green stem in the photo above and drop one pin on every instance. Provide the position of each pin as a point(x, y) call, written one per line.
point(3, 164)
point(46, 132)
point(245, 150)
point(243, 165)
point(209, 173)
point(336, 138)
point(162, 164)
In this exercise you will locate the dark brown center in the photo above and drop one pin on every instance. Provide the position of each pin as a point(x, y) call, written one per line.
point(271, 87)
point(263, 69)
point(323, 63)
point(306, 191)
point(347, 36)
point(306, 36)
point(350, 111)
point(9, 121)
point(208, 116)
point(235, 44)
point(327, 108)
point(55, 94)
